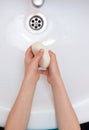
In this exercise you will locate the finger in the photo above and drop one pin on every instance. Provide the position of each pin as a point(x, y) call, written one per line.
point(52, 55)
point(45, 72)
point(29, 52)
point(39, 55)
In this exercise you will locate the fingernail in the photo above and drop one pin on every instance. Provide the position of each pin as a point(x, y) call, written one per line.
point(41, 50)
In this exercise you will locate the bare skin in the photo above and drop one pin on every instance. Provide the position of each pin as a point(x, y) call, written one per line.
point(19, 115)
point(66, 117)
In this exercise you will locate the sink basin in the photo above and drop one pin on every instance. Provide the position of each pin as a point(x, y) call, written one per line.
point(67, 32)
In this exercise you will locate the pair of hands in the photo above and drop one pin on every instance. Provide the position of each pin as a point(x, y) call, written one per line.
point(32, 72)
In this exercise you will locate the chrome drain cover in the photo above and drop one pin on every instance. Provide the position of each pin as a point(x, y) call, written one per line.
point(36, 23)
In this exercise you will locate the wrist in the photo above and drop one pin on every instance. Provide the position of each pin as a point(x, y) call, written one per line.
point(58, 82)
point(29, 81)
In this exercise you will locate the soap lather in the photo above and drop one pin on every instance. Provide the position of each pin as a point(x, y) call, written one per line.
point(45, 60)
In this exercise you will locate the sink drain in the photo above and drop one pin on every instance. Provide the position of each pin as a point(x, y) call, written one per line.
point(36, 23)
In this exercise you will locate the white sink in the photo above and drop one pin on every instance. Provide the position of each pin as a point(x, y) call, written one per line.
point(67, 25)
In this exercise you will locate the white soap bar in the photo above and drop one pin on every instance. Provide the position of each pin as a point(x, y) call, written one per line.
point(45, 60)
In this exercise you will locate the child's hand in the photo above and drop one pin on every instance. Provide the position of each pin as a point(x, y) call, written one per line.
point(52, 72)
point(32, 73)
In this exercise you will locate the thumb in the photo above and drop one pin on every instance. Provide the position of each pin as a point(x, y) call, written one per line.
point(39, 55)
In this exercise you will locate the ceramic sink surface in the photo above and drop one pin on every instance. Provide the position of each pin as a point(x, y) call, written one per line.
point(67, 25)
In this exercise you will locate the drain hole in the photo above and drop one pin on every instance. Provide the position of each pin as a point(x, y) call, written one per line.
point(36, 22)
point(32, 21)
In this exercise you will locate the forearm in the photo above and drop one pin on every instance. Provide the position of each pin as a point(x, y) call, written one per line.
point(19, 115)
point(66, 116)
